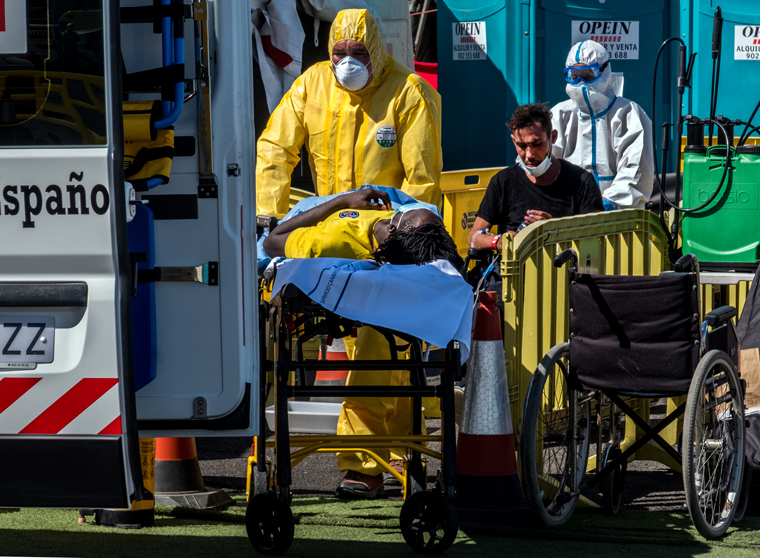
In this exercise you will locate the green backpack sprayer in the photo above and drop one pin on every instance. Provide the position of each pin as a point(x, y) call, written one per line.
point(718, 202)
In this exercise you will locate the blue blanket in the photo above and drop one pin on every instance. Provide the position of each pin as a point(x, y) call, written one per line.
point(431, 302)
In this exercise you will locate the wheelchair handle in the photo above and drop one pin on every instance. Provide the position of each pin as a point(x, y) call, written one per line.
point(565, 256)
point(687, 262)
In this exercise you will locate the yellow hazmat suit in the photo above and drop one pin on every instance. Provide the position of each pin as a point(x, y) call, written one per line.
point(387, 133)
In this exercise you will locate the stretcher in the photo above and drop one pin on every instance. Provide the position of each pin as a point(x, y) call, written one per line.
point(289, 318)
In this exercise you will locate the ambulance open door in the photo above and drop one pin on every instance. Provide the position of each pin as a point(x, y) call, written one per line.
point(196, 311)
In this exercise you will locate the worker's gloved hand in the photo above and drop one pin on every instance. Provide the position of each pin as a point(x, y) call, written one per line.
point(608, 205)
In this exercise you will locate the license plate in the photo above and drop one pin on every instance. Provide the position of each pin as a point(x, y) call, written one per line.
point(26, 339)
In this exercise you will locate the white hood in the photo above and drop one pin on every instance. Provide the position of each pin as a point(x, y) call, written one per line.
point(592, 98)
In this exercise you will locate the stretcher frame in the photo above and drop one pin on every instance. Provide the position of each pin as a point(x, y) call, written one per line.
point(293, 319)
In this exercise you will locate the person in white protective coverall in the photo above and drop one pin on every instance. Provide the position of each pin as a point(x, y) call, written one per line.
point(364, 119)
point(607, 135)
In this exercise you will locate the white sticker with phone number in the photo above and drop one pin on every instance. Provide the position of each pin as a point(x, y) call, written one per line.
point(470, 40)
point(620, 38)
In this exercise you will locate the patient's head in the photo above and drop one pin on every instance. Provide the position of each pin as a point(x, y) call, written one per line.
point(420, 238)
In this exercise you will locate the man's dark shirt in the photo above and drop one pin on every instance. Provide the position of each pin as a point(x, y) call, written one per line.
point(510, 195)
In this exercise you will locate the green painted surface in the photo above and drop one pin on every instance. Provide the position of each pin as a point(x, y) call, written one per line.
point(365, 530)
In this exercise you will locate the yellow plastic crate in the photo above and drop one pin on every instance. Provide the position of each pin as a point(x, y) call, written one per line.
point(462, 193)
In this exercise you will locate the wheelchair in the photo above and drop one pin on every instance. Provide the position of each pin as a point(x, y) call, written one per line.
point(636, 337)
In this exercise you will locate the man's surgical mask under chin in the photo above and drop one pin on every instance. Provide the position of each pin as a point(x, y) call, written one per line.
point(351, 74)
point(542, 167)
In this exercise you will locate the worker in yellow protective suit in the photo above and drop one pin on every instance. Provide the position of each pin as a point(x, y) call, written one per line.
point(385, 131)
point(364, 119)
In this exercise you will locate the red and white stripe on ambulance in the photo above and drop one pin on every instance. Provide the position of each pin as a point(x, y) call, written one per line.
point(55, 405)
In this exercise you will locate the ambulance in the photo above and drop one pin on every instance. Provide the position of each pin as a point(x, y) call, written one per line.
point(128, 299)
point(128, 275)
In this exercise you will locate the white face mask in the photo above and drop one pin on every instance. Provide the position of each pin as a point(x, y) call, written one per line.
point(351, 74)
point(542, 167)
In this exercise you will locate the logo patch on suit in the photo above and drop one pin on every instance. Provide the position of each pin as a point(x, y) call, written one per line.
point(348, 214)
point(386, 136)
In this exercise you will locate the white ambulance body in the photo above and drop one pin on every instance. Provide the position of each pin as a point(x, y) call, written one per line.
point(70, 417)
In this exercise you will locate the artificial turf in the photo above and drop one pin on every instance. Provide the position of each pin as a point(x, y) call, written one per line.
point(364, 530)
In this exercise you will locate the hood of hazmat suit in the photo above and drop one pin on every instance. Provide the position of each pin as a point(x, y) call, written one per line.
point(387, 133)
point(607, 135)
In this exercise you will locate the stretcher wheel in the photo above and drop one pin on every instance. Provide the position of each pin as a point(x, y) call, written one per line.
point(269, 524)
point(612, 484)
point(713, 440)
point(546, 440)
point(429, 523)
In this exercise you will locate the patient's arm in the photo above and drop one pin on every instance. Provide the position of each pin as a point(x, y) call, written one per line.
point(274, 244)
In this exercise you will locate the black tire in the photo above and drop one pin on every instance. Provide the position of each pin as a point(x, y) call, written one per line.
point(429, 523)
point(611, 485)
point(713, 444)
point(546, 480)
point(269, 524)
point(414, 479)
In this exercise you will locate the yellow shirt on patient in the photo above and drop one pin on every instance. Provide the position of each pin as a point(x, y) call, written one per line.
point(344, 234)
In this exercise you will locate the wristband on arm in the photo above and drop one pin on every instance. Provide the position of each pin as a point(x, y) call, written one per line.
point(495, 241)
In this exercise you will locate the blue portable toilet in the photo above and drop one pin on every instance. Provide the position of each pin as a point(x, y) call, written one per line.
point(632, 32)
point(495, 55)
point(483, 57)
point(740, 60)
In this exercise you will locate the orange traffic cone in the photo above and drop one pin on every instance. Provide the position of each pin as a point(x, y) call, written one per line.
point(336, 350)
point(488, 488)
point(178, 477)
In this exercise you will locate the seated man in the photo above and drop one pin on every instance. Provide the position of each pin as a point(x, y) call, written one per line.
point(539, 187)
point(361, 225)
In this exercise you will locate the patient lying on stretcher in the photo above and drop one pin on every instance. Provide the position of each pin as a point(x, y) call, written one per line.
point(361, 225)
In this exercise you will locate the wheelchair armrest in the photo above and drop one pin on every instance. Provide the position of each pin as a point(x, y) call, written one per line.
point(687, 262)
point(719, 316)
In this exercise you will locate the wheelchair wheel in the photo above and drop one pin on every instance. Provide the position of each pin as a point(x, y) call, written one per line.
point(269, 524)
point(713, 440)
point(546, 440)
point(612, 484)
